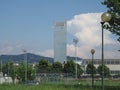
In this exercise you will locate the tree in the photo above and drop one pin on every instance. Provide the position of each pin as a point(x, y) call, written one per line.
point(79, 70)
point(106, 70)
point(114, 9)
point(69, 67)
point(30, 72)
point(89, 69)
point(57, 67)
point(44, 66)
point(10, 69)
point(21, 72)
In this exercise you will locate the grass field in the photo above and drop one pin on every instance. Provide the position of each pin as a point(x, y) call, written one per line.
point(109, 85)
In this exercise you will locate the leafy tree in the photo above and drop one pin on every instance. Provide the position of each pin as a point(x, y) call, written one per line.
point(30, 72)
point(69, 67)
point(44, 66)
point(106, 70)
point(9, 69)
point(114, 9)
point(21, 72)
point(57, 67)
point(89, 69)
point(79, 70)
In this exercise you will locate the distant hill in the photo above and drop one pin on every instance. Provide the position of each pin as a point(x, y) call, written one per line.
point(30, 57)
point(19, 58)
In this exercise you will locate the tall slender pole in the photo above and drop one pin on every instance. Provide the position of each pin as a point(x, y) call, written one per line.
point(1, 66)
point(92, 52)
point(92, 72)
point(75, 40)
point(8, 69)
point(105, 17)
point(102, 56)
point(76, 59)
point(25, 59)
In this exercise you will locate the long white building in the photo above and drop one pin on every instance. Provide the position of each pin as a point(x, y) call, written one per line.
point(112, 64)
point(60, 31)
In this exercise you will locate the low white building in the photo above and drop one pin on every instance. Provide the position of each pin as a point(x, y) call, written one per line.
point(5, 79)
point(112, 64)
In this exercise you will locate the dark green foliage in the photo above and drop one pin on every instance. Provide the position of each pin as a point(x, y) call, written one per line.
point(106, 70)
point(44, 66)
point(89, 69)
point(69, 67)
point(57, 67)
point(21, 72)
point(114, 9)
point(9, 69)
point(79, 70)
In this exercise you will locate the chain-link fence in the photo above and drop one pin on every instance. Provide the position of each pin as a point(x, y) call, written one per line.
point(67, 78)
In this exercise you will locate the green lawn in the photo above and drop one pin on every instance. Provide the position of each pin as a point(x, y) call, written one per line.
point(69, 85)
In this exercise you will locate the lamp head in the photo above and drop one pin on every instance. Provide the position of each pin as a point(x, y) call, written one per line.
point(106, 17)
point(92, 51)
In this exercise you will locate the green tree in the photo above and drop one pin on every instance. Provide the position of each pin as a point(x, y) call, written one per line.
point(44, 66)
point(21, 72)
point(69, 67)
point(79, 70)
point(10, 69)
point(89, 69)
point(114, 9)
point(106, 70)
point(57, 67)
point(30, 72)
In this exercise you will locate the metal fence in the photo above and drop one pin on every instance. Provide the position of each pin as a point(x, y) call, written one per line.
point(54, 77)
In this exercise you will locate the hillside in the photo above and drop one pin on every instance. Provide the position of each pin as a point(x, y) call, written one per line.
point(30, 57)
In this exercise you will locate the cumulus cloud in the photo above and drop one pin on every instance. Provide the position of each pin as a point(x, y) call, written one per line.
point(47, 53)
point(10, 48)
point(87, 28)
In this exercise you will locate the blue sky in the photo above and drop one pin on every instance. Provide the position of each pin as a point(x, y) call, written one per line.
point(29, 24)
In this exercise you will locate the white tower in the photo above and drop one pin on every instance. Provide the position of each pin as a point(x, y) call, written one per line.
point(60, 32)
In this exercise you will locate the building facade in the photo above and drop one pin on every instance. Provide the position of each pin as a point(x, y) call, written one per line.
point(112, 64)
point(60, 31)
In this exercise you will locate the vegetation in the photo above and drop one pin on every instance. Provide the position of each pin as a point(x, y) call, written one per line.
point(114, 8)
point(21, 72)
point(69, 67)
point(57, 67)
point(106, 70)
point(109, 85)
point(89, 69)
point(44, 66)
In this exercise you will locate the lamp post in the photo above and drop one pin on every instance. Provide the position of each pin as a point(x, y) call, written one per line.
point(92, 52)
point(25, 59)
point(105, 17)
point(1, 65)
point(75, 40)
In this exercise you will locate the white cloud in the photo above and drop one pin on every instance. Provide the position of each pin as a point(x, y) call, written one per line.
point(10, 48)
point(87, 28)
point(47, 53)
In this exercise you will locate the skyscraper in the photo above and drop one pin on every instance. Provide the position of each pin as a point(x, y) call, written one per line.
point(60, 32)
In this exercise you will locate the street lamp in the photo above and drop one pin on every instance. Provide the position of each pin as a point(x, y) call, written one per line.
point(25, 59)
point(105, 17)
point(75, 40)
point(1, 65)
point(92, 52)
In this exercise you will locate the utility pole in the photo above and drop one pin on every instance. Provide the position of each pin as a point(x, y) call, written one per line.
point(25, 60)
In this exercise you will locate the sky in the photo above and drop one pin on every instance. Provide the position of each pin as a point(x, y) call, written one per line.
point(29, 25)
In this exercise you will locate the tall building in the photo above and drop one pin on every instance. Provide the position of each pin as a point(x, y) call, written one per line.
point(60, 31)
